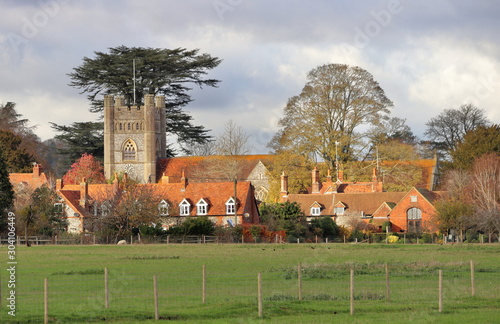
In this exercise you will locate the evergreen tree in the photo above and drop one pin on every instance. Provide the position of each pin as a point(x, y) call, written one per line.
point(157, 71)
point(6, 191)
point(80, 138)
point(16, 157)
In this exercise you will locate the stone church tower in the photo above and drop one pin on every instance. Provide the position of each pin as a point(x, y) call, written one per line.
point(134, 137)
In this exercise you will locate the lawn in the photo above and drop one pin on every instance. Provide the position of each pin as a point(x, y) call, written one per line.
point(75, 276)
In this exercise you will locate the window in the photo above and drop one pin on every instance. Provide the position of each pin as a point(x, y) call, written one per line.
point(413, 198)
point(163, 208)
point(339, 210)
point(58, 208)
point(230, 206)
point(414, 213)
point(128, 126)
point(129, 150)
point(315, 211)
point(120, 127)
point(414, 216)
point(137, 126)
point(105, 209)
point(184, 208)
point(201, 207)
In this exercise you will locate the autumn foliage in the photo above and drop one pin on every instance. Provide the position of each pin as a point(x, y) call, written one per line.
point(85, 167)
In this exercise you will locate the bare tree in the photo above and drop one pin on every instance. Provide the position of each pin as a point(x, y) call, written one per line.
point(448, 128)
point(233, 141)
point(486, 191)
point(119, 210)
point(335, 101)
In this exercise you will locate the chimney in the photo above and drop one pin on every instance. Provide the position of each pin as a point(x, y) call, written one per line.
point(316, 186)
point(165, 178)
point(116, 183)
point(84, 192)
point(184, 182)
point(284, 185)
point(329, 176)
point(374, 175)
point(125, 178)
point(59, 184)
point(340, 173)
point(37, 170)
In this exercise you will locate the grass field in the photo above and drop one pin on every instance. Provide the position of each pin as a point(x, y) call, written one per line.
point(76, 283)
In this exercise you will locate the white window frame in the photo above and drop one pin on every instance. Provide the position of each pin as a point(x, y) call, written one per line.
point(184, 208)
point(413, 198)
point(201, 207)
point(230, 206)
point(59, 208)
point(163, 208)
point(315, 211)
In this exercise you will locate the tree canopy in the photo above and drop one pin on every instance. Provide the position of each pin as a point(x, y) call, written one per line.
point(6, 190)
point(80, 138)
point(168, 72)
point(323, 118)
point(16, 157)
point(448, 128)
point(85, 167)
point(475, 143)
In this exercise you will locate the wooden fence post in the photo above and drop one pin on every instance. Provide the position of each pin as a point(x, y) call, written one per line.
point(351, 294)
point(387, 283)
point(472, 284)
point(203, 284)
point(155, 292)
point(299, 279)
point(46, 301)
point(259, 293)
point(106, 289)
point(440, 298)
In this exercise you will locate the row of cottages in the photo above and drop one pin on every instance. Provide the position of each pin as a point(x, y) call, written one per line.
point(410, 211)
point(220, 168)
point(224, 203)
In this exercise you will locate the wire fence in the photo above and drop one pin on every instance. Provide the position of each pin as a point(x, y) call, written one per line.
point(161, 292)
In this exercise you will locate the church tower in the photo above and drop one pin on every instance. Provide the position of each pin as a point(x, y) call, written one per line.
point(134, 137)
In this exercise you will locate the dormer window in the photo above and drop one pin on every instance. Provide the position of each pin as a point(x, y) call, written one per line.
point(315, 209)
point(201, 207)
point(163, 208)
point(184, 208)
point(230, 206)
point(339, 208)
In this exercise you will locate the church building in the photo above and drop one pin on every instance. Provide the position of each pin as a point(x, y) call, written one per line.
point(134, 137)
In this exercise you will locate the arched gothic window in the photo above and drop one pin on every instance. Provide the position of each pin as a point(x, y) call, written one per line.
point(129, 150)
point(414, 216)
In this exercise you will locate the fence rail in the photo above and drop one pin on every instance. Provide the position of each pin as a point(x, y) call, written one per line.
point(163, 293)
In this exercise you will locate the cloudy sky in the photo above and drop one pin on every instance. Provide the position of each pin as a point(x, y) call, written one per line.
point(427, 55)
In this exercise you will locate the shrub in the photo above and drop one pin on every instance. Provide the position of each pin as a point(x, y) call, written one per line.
point(392, 239)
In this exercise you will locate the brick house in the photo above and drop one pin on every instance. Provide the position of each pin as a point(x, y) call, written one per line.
point(407, 211)
point(223, 202)
point(220, 168)
point(29, 181)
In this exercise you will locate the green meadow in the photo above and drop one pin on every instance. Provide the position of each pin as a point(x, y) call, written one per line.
point(76, 285)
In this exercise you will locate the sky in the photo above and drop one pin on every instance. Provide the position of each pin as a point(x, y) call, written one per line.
point(427, 55)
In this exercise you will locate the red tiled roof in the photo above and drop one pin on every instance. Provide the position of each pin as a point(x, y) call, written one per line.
point(196, 167)
point(367, 203)
point(30, 180)
point(215, 194)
